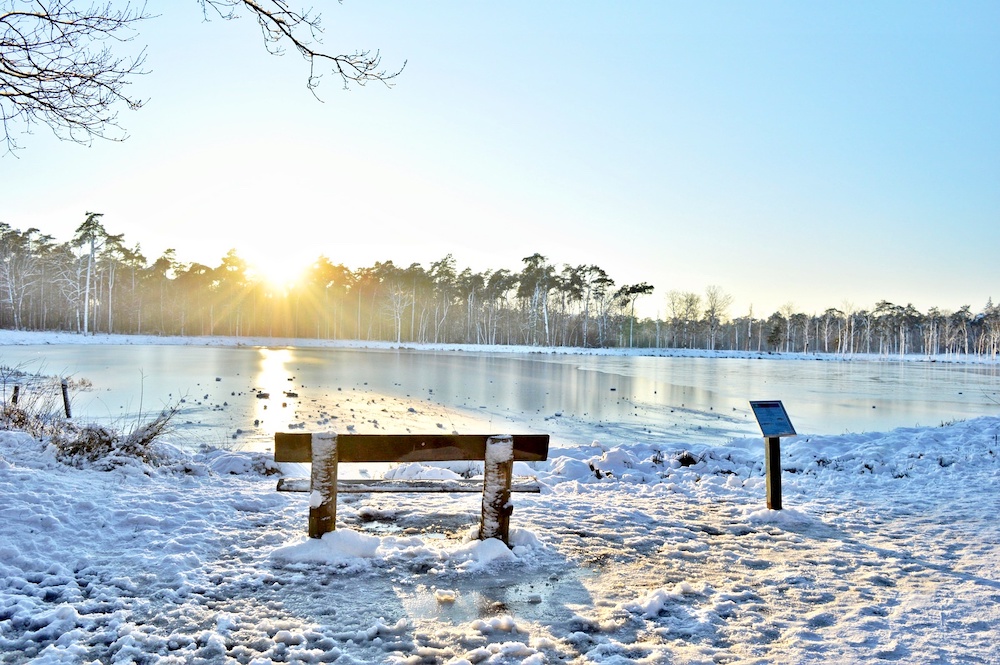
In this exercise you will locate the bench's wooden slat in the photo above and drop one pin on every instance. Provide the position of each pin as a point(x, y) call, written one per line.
point(445, 486)
point(297, 446)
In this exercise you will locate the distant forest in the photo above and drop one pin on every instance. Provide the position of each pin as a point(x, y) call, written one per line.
point(96, 283)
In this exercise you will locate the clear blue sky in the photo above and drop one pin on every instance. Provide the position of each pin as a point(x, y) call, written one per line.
point(812, 153)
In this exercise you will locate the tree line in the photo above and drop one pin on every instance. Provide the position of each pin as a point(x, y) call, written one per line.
point(95, 282)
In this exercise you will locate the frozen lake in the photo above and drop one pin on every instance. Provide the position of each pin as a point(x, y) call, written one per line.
point(630, 398)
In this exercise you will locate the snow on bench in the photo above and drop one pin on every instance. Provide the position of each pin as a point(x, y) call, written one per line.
point(326, 450)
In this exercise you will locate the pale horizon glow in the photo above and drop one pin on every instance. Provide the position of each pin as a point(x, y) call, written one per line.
point(808, 154)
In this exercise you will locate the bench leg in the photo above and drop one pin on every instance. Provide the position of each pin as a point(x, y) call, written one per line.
point(497, 475)
point(323, 485)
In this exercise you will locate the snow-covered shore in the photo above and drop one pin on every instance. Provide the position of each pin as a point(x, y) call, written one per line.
point(8, 337)
point(888, 549)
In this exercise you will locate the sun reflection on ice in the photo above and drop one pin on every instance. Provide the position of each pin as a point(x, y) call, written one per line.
point(275, 391)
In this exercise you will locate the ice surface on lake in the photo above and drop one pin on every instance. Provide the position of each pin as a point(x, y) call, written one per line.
point(566, 395)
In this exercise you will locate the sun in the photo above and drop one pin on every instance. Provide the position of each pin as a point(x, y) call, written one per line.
point(284, 273)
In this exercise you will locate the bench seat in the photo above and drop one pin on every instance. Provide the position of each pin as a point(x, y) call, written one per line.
point(440, 486)
point(326, 450)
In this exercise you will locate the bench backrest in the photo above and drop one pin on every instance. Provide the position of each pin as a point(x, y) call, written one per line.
point(297, 447)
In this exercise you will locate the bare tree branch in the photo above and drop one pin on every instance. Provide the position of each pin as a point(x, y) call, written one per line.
point(57, 68)
point(280, 25)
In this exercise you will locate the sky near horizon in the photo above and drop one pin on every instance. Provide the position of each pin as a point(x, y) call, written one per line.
point(807, 153)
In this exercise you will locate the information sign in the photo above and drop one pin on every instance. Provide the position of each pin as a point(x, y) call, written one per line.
point(772, 418)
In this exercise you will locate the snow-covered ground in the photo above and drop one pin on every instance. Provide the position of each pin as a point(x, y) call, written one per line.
point(888, 550)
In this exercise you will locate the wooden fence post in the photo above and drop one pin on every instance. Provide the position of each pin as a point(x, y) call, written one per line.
point(65, 394)
point(497, 473)
point(323, 485)
point(17, 393)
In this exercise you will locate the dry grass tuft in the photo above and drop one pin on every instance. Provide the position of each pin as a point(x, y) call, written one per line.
point(39, 412)
point(99, 446)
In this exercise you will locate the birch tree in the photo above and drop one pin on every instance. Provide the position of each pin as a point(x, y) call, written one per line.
point(537, 280)
point(591, 276)
point(628, 295)
point(19, 269)
point(830, 316)
point(787, 313)
point(444, 278)
point(113, 255)
point(91, 235)
point(717, 304)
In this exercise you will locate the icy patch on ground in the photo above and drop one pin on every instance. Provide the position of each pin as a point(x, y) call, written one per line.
point(344, 546)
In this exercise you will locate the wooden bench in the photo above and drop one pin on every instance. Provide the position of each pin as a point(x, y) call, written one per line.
point(326, 450)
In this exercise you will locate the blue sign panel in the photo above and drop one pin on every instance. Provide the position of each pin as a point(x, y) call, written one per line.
point(772, 418)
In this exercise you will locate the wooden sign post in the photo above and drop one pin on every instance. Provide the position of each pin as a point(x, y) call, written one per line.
point(774, 424)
